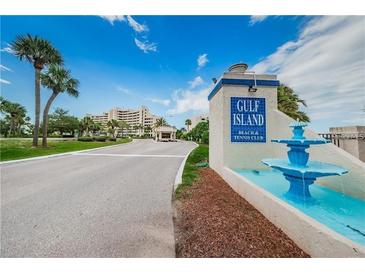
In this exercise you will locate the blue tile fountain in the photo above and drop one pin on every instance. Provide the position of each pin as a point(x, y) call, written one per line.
point(298, 171)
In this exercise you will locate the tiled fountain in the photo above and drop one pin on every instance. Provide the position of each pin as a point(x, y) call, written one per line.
point(300, 172)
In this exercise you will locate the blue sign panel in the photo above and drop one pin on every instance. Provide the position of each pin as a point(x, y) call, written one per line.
point(248, 120)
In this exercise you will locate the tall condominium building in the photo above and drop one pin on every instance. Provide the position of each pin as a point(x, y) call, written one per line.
point(137, 119)
point(196, 120)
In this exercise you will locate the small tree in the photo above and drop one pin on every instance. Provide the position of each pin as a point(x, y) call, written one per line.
point(205, 137)
point(85, 125)
point(4, 127)
point(95, 128)
point(123, 125)
point(198, 130)
point(15, 114)
point(179, 134)
point(160, 122)
point(60, 121)
point(113, 127)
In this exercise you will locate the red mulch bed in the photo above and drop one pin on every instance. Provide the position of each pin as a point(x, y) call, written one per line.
point(211, 220)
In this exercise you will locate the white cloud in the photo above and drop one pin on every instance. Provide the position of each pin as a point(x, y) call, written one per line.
point(3, 81)
point(165, 102)
point(257, 19)
point(3, 68)
point(197, 81)
point(146, 46)
point(325, 66)
point(125, 90)
point(114, 18)
point(135, 25)
point(202, 60)
point(187, 100)
point(7, 49)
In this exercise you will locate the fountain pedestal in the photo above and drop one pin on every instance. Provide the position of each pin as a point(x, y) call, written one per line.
point(300, 172)
point(298, 186)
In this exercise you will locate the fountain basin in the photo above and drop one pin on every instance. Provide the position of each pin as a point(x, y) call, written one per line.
point(339, 212)
point(301, 177)
point(300, 142)
point(297, 154)
point(312, 170)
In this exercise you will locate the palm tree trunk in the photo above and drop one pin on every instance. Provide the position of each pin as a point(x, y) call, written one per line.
point(19, 129)
point(37, 106)
point(12, 126)
point(45, 118)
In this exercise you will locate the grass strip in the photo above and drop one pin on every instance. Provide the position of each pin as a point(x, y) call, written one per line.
point(22, 149)
point(190, 174)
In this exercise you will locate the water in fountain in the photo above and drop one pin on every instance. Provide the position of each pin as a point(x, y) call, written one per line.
point(299, 171)
point(291, 180)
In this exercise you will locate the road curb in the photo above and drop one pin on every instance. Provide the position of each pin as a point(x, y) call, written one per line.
point(60, 154)
point(178, 177)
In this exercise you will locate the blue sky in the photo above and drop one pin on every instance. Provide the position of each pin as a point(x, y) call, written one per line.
point(167, 62)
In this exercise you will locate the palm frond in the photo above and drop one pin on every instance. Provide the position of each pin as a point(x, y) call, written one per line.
point(35, 50)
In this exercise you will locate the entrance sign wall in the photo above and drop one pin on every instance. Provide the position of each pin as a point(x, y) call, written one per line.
point(224, 151)
point(243, 118)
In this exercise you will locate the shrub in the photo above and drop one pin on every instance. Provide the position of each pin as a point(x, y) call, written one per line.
point(85, 139)
point(100, 138)
point(205, 137)
point(113, 139)
point(67, 136)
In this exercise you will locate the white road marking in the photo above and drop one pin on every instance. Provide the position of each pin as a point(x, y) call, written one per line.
point(129, 155)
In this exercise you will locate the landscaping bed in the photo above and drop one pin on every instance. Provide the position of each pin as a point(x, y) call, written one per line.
point(212, 220)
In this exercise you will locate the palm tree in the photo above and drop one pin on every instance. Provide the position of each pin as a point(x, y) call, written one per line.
point(113, 125)
point(40, 53)
point(140, 127)
point(288, 102)
point(96, 127)
point(16, 114)
point(2, 104)
point(188, 124)
point(86, 124)
point(123, 125)
point(22, 121)
point(59, 80)
point(160, 122)
point(147, 129)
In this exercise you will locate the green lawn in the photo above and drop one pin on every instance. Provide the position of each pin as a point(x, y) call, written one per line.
point(20, 149)
point(190, 173)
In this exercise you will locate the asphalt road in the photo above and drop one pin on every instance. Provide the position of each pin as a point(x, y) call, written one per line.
point(111, 202)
